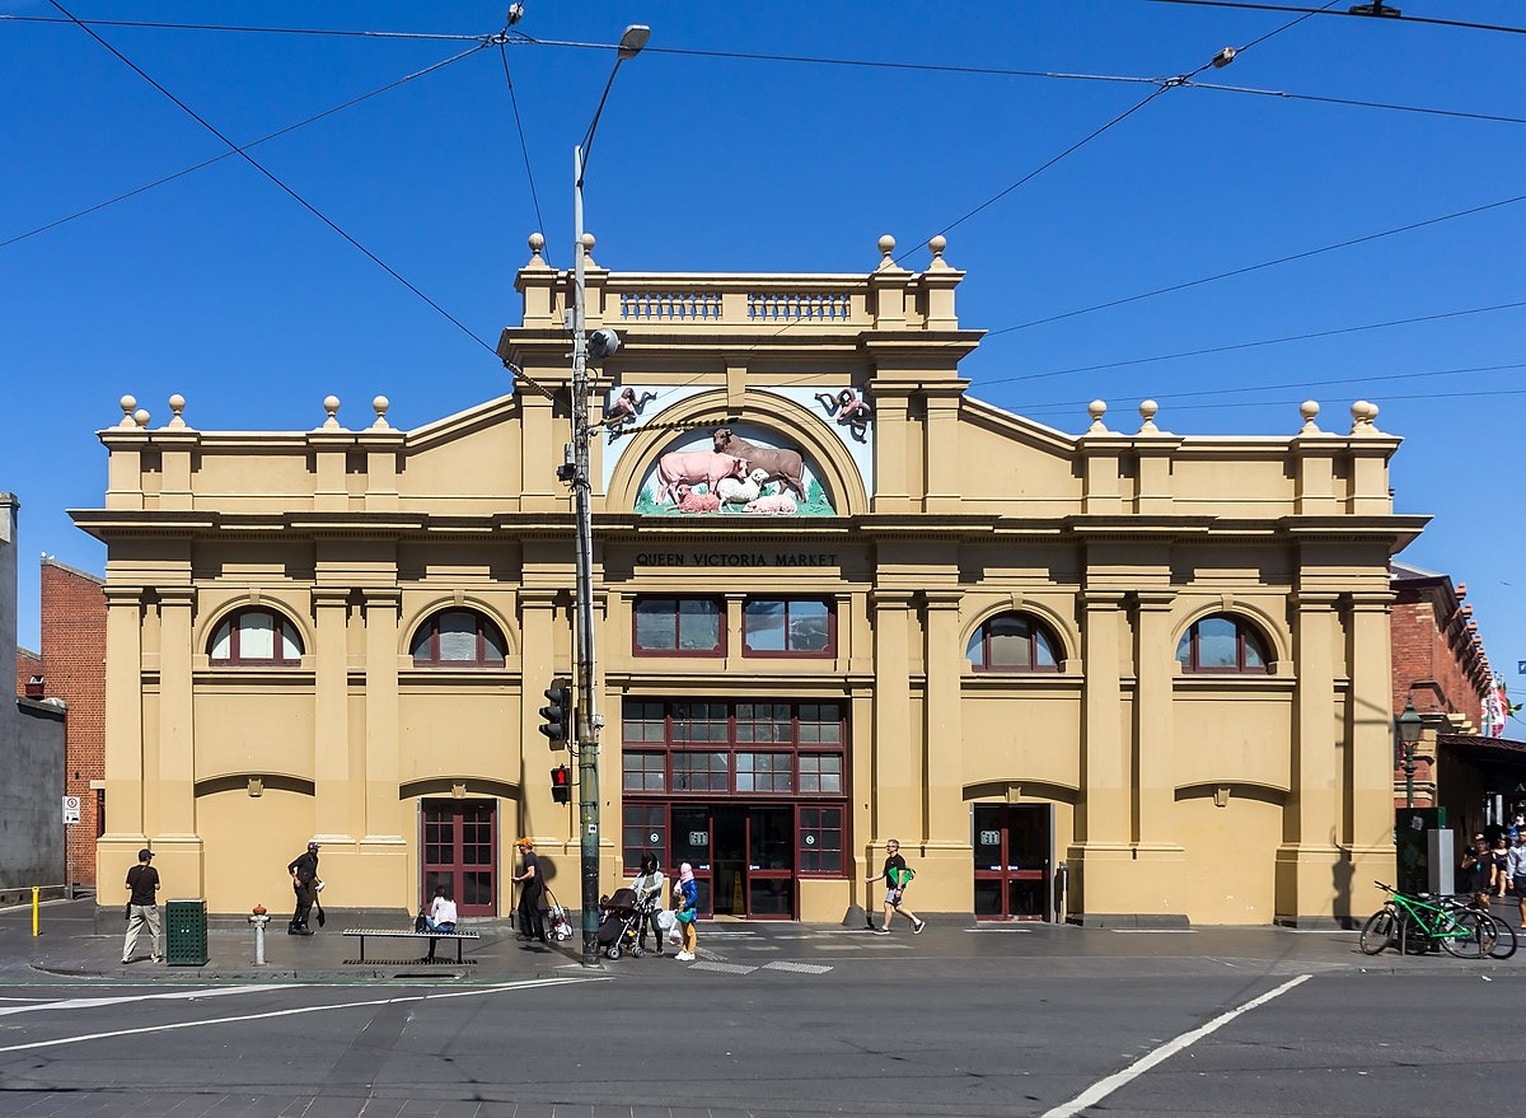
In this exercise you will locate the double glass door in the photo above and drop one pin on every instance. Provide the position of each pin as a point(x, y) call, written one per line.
point(743, 857)
point(1012, 861)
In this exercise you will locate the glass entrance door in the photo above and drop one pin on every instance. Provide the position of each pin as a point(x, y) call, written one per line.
point(459, 844)
point(1012, 861)
point(743, 857)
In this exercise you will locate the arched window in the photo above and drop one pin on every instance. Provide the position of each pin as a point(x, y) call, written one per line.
point(1222, 643)
point(1013, 642)
point(458, 638)
point(255, 636)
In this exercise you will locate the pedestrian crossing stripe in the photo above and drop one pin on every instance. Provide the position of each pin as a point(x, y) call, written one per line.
point(797, 968)
point(724, 968)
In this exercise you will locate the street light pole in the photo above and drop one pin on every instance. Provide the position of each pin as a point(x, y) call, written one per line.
point(589, 721)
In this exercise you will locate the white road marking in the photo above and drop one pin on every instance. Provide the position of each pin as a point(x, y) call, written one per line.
point(1105, 1087)
point(797, 968)
point(177, 995)
point(724, 968)
point(59, 1042)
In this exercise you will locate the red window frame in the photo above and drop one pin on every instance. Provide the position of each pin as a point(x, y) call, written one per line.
point(280, 624)
point(485, 628)
point(826, 653)
point(1039, 634)
point(677, 602)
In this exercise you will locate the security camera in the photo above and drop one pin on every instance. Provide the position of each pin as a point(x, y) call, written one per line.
point(602, 344)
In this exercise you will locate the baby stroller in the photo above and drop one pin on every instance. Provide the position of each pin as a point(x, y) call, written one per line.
point(558, 924)
point(619, 918)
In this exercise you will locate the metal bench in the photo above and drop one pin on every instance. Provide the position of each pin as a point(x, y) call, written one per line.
point(406, 933)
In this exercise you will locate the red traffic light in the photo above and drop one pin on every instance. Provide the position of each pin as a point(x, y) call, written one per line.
point(561, 784)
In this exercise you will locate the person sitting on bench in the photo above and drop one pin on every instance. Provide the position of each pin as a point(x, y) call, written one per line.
point(441, 917)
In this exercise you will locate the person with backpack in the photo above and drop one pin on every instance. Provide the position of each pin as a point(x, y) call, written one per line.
point(896, 876)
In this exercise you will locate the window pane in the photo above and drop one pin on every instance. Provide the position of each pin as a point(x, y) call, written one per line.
point(291, 648)
point(1255, 657)
point(1184, 650)
point(492, 642)
point(763, 625)
point(256, 636)
point(654, 623)
point(1009, 645)
point(699, 626)
point(458, 636)
point(809, 626)
point(222, 642)
point(1043, 648)
point(1216, 643)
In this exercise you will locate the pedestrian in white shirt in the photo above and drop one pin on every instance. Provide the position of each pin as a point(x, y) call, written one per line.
point(441, 918)
point(1515, 868)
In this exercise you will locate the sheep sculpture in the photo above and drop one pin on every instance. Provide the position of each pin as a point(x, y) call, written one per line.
point(738, 491)
point(777, 504)
point(690, 501)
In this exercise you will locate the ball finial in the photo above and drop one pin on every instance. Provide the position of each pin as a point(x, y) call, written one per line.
point(887, 245)
point(938, 244)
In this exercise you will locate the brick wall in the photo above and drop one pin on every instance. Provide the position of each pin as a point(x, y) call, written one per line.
point(73, 662)
point(28, 664)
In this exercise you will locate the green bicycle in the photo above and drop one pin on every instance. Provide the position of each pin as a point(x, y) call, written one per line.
point(1411, 923)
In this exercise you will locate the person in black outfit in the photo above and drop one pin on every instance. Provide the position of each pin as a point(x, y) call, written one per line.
point(143, 908)
point(531, 923)
point(304, 882)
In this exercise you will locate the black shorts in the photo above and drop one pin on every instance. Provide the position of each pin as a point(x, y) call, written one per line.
point(1518, 886)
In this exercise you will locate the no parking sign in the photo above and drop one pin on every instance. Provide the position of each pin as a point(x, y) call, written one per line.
point(71, 809)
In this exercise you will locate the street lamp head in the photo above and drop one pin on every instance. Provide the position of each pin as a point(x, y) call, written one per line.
point(1410, 724)
point(633, 40)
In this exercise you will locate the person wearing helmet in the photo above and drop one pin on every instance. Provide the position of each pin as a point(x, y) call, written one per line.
point(305, 883)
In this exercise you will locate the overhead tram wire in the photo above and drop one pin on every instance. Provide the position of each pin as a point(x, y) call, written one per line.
point(1248, 268)
point(1357, 103)
point(159, 25)
point(1384, 17)
point(523, 147)
point(229, 154)
point(303, 202)
point(1221, 59)
point(1439, 316)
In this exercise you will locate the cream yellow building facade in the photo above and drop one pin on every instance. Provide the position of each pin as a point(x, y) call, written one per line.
point(838, 600)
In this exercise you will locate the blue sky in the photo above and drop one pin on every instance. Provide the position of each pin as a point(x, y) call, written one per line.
point(220, 286)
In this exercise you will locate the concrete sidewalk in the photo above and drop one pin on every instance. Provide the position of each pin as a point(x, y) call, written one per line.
point(77, 941)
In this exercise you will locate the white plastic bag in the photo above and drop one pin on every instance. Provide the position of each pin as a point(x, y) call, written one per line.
point(666, 920)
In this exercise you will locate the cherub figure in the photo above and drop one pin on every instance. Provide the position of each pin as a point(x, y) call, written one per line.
point(850, 409)
point(626, 411)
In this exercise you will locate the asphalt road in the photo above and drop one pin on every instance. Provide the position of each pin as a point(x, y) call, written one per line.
point(910, 1033)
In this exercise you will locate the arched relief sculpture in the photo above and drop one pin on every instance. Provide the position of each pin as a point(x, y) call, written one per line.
point(741, 469)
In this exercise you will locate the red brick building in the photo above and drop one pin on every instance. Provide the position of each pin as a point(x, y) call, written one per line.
point(72, 667)
point(1440, 666)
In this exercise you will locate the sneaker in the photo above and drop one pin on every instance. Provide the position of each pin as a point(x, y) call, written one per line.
point(126, 962)
point(880, 931)
point(684, 957)
point(916, 929)
point(156, 958)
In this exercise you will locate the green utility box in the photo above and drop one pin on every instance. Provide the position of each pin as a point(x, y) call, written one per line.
point(185, 933)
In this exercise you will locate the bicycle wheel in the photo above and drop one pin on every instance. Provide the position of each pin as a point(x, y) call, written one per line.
point(1468, 935)
point(1504, 944)
point(1379, 932)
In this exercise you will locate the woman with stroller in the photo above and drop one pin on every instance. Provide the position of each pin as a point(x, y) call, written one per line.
point(649, 887)
point(686, 895)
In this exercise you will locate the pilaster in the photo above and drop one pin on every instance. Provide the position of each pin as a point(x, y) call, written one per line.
point(1303, 880)
point(897, 804)
point(334, 805)
point(382, 773)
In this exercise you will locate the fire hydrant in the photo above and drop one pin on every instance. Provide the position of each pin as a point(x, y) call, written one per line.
point(259, 919)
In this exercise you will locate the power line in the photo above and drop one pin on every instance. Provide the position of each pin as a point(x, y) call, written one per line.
point(288, 190)
point(523, 147)
point(1256, 344)
point(1390, 15)
point(1353, 102)
point(164, 26)
point(229, 154)
point(1218, 61)
point(1305, 255)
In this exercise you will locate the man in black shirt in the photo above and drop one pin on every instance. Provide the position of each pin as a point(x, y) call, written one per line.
point(896, 877)
point(143, 905)
point(304, 882)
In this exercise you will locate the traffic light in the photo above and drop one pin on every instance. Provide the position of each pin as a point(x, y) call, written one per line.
point(561, 784)
point(557, 713)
